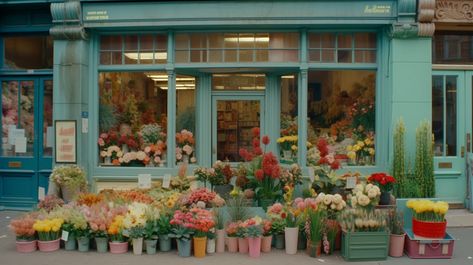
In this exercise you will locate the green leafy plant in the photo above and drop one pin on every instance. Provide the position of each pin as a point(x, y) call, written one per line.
point(315, 224)
point(219, 218)
point(277, 226)
point(237, 208)
point(180, 233)
point(399, 159)
point(291, 220)
point(164, 226)
point(107, 117)
point(424, 167)
point(396, 222)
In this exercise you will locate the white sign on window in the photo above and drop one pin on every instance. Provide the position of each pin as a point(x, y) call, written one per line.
point(49, 136)
point(144, 181)
point(166, 181)
point(20, 145)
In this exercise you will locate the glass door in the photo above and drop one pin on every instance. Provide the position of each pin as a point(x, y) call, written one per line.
point(449, 129)
point(236, 121)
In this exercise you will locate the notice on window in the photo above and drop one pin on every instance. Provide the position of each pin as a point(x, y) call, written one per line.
point(66, 138)
point(166, 181)
point(49, 136)
point(20, 145)
point(144, 181)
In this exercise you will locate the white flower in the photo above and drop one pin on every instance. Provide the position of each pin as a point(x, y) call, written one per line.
point(333, 206)
point(188, 149)
point(320, 198)
point(193, 160)
point(103, 153)
point(141, 155)
point(328, 199)
point(363, 200)
point(354, 201)
point(358, 187)
point(372, 193)
point(368, 187)
point(337, 198)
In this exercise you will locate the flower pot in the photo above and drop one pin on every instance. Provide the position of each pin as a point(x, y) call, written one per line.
point(118, 247)
point(102, 244)
point(125, 149)
point(210, 246)
point(220, 237)
point(26, 246)
point(279, 241)
point(48, 246)
point(385, 198)
point(266, 244)
point(396, 245)
point(232, 243)
point(243, 245)
point(68, 193)
point(71, 243)
point(314, 249)
point(301, 241)
point(290, 238)
point(83, 244)
point(151, 246)
point(184, 247)
point(200, 245)
point(137, 245)
point(363, 246)
point(164, 243)
point(429, 229)
point(254, 246)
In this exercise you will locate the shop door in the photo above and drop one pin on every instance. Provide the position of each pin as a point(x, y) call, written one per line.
point(449, 128)
point(468, 137)
point(27, 139)
point(233, 121)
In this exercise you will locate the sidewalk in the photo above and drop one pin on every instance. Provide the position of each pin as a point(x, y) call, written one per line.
point(8, 256)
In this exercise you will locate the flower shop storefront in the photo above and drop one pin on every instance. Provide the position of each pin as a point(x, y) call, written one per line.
point(158, 89)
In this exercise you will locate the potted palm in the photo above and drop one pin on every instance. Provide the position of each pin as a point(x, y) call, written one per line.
point(24, 232)
point(397, 236)
point(71, 179)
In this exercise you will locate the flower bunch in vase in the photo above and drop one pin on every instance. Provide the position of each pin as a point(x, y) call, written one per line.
point(365, 196)
point(277, 214)
point(291, 176)
point(24, 232)
point(185, 147)
point(134, 223)
point(48, 229)
point(182, 231)
point(118, 244)
point(385, 183)
point(202, 196)
point(314, 230)
point(71, 179)
point(157, 153)
point(137, 159)
point(129, 142)
point(363, 152)
point(152, 133)
point(111, 155)
point(288, 146)
point(253, 231)
point(108, 139)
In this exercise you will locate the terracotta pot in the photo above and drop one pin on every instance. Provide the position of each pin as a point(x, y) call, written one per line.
point(118, 247)
point(243, 245)
point(26, 246)
point(254, 246)
point(314, 250)
point(210, 246)
point(266, 243)
point(290, 238)
point(220, 237)
point(137, 246)
point(48, 246)
point(200, 245)
point(232, 243)
point(396, 245)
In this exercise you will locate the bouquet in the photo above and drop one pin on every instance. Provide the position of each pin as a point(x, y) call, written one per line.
point(202, 221)
point(291, 176)
point(267, 225)
point(115, 230)
point(50, 202)
point(182, 225)
point(360, 220)
point(333, 204)
point(253, 227)
point(365, 196)
point(135, 220)
point(277, 213)
point(23, 227)
point(185, 146)
point(384, 181)
point(70, 176)
point(232, 229)
point(48, 229)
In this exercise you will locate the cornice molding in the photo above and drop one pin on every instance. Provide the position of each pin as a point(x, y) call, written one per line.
point(454, 11)
point(67, 21)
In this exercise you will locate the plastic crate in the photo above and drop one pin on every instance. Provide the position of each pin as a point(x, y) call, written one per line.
point(428, 248)
point(364, 246)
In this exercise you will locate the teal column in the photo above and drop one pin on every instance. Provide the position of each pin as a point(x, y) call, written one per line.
point(204, 121)
point(272, 109)
point(171, 118)
point(302, 118)
point(411, 75)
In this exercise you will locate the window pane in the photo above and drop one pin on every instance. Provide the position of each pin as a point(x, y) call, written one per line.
point(231, 40)
point(105, 58)
point(26, 118)
point(132, 118)
point(198, 41)
point(314, 55)
point(235, 121)
point(111, 43)
point(365, 40)
point(262, 40)
point(230, 56)
point(341, 114)
point(182, 41)
point(345, 41)
point(48, 139)
point(28, 52)
point(185, 120)
point(215, 56)
point(9, 116)
point(452, 49)
point(328, 40)
point(451, 109)
point(146, 42)
point(362, 56)
point(238, 81)
point(246, 55)
point(437, 114)
point(215, 40)
point(314, 40)
point(262, 55)
point(328, 56)
point(246, 41)
point(182, 56)
point(344, 56)
point(288, 140)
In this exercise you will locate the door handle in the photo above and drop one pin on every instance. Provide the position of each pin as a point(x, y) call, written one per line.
point(462, 152)
point(468, 142)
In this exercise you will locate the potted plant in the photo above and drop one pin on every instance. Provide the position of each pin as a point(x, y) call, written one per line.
point(25, 233)
point(71, 179)
point(365, 196)
point(397, 236)
point(291, 233)
point(333, 205)
point(48, 233)
point(181, 231)
point(118, 244)
point(220, 230)
point(134, 225)
point(267, 236)
point(98, 219)
point(220, 179)
point(151, 230)
point(242, 238)
point(314, 230)
point(254, 230)
point(385, 183)
point(232, 238)
point(428, 218)
point(211, 244)
point(164, 229)
point(202, 221)
point(277, 214)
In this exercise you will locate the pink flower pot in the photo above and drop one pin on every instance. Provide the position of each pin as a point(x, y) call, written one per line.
point(48, 246)
point(118, 247)
point(220, 241)
point(266, 244)
point(396, 245)
point(243, 245)
point(26, 246)
point(232, 243)
point(254, 245)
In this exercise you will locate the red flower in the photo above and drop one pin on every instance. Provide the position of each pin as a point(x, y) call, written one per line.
point(322, 145)
point(255, 132)
point(258, 151)
point(256, 142)
point(335, 165)
point(265, 140)
point(275, 172)
point(259, 174)
point(269, 160)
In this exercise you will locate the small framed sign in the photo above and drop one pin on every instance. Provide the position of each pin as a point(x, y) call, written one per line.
point(65, 141)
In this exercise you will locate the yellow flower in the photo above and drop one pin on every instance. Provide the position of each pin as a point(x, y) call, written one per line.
point(371, 151)
point(294, 147)
point(351, 155)
point(349, 148)
point(361, 144)
point(367, 141)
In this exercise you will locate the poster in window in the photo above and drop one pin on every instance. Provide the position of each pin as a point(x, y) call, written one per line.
point(66, 141)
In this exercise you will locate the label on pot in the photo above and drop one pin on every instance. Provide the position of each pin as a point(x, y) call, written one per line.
point(65, 235)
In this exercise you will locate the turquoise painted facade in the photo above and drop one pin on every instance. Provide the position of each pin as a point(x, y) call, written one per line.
point(403, 68)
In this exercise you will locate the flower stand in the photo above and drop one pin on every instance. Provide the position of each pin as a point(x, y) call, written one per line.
point(363, 246)
point(211, 246)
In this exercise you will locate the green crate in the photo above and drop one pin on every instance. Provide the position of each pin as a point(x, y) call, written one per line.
point(364, 246)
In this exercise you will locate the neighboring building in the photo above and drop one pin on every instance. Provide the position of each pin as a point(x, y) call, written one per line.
point(214, 70)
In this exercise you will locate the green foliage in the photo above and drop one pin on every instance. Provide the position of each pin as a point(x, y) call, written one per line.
point(180, 233)
point(219, 218)
point(399, 160)
point(396, 222)
point(277, 226)
point(151, 229)
point(424, 167)
point(107, 117)
point(316, 220)
point(186, 120)
point(237, 208)
point(291, 220)
point(164, 226)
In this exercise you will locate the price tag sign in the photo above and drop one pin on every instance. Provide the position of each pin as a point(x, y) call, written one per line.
point(144, 181)
point(166, 181)
point(311, 174)
point(41, 193)
point(351, 182)
point(65, 235)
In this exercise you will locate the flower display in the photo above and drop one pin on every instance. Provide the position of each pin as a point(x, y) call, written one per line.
point(232, 229)
point(253, 227)
point(333, 204)
point(135, 219)
point(115, 230)
point(286, 142)
point(384, 181)
point(185, 147)
point(48, 229)
point(365, 196)
point(362, 151)
point(152, 133)
point(71, 176)
point(291, 176)
point(202, 195)
point(23, 227)
point(50, 202)
point(360, 220)
point(134, 159)
point(427, 210)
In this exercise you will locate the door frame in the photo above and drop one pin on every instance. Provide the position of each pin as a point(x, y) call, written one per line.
point(234, 96)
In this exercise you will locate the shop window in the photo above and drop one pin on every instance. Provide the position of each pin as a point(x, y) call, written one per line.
point(341, 115)
point(48, 118)
point(185, 119)
point(238, 82)
point(133, 119)
point(28, 52)
point(237, 47)
point(342, 47)
point(452, 49)
point(444, 115)
point(288, 138)
point(133, 49)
